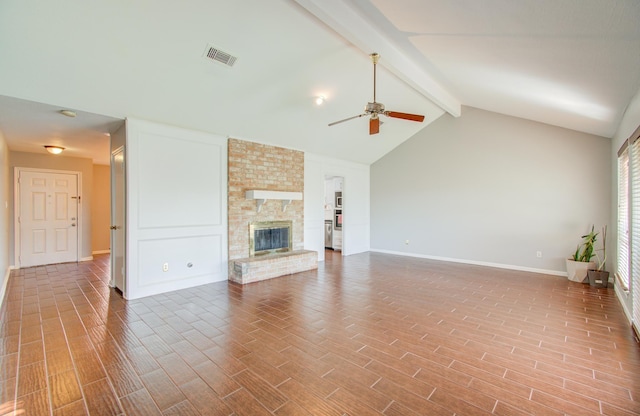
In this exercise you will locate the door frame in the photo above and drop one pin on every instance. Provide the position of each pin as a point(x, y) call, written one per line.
point(16, 208)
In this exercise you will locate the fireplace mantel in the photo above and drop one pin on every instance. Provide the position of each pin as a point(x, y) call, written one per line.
point(262, 196)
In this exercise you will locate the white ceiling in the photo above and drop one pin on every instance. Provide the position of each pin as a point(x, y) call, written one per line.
point(29, 126)
point(570, 63)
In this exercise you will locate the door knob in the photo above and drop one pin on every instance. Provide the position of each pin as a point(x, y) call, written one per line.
point(73, 224)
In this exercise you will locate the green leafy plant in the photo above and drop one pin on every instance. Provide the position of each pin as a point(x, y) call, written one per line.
point(585, 251)
point(601, 262)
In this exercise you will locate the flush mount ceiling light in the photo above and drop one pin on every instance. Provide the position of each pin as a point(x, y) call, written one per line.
point(68, 113)
point(319, 100)
point(54, 150)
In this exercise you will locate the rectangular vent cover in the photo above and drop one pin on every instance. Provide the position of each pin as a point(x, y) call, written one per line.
point(217, 55)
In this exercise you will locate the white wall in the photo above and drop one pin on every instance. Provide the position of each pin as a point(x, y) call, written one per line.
point(628, 125)
point(176, 208)
point(355, 203)
point(491, 189)
point(5, 201)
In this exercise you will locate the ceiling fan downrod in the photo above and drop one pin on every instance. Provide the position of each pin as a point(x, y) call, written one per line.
point(374, 58)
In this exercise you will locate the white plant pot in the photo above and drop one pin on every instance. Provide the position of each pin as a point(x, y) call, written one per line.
point(577, 270)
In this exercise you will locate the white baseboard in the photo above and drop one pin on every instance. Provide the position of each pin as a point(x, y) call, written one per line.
point(101, 252)
point(623, 298)
point(86, 258)
point(476, 263)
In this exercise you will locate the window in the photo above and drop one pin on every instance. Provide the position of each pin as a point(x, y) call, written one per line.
point(623, 217)
point(628, 271)
point(634, 252)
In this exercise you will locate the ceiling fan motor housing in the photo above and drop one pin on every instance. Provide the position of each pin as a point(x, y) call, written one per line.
point(374, 108)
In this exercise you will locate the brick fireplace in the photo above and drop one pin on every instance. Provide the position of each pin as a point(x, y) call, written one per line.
point(255, 166)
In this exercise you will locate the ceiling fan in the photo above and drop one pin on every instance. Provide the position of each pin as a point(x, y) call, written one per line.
point(374, 109)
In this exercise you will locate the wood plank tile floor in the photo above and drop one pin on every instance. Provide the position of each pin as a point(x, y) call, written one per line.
point(363, 335)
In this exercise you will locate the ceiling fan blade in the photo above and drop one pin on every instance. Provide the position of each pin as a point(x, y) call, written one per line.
point(374, 125)
point(346, 119)
point(405, 116)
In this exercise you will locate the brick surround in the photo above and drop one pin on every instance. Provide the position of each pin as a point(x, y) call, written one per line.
point(263, 167)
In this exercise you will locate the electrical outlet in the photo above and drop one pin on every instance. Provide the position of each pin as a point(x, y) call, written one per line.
point(165, 267)
point(539, 254)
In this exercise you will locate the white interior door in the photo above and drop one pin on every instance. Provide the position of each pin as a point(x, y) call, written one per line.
point(48, 217)
point(117, 219)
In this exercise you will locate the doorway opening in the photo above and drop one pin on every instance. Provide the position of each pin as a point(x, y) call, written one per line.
point(333, 213)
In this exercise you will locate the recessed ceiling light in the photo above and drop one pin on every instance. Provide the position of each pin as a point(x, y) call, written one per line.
point(54, 150)
point(68, 113)
point(319, 100)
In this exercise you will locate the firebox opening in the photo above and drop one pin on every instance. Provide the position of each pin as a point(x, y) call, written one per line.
point(269, 237)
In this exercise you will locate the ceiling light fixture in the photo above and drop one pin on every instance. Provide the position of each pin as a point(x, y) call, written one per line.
point(54, 150)
point(68, 113)
point(320, 99)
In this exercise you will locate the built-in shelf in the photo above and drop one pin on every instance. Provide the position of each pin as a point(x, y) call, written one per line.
point(263, 196)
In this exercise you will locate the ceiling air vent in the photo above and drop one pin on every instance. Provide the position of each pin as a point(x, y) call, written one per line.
point(217, 55)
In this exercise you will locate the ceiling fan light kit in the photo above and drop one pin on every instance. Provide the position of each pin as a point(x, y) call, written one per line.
point(374, 109)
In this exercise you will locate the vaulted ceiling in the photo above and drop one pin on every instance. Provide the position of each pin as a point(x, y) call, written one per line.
point(570, 63)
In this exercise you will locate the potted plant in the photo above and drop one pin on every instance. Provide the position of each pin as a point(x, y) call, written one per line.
point(580, 262)
point(600, 277)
